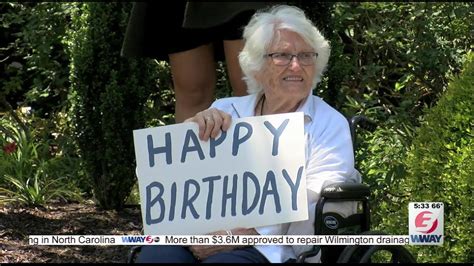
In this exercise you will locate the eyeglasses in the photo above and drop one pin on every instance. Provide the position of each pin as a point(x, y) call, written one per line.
point(284, 59)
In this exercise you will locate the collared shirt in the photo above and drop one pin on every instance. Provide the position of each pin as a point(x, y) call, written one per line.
point(328, 159)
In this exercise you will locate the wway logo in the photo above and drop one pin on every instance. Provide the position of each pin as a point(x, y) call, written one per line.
point(426, 223)
point(140, 239)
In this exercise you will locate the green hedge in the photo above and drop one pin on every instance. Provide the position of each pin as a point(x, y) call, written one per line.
point(439, 166)
point(109, 95)
point(392, 58)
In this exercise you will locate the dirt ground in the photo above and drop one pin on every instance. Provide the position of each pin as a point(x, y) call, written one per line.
point(16, 224)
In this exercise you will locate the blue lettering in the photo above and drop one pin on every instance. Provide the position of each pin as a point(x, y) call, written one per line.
point(425, 238)
point(133, 239)
point(173, 201)
point(149, 204)
point(213, 143)
point(156, 150)
point(276, 134)
point(188, 201)
point(294, 187)
point(211, 180)
point(237, 140)
point(232, 196)
point(270, 182)
point(190, 135)
point(253, 195)
point(245, 208)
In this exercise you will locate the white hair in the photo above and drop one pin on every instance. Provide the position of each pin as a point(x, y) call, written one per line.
point(263, 29)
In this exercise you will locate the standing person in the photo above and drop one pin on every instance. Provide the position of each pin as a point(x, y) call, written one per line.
point(191, 37)
point(283, 60)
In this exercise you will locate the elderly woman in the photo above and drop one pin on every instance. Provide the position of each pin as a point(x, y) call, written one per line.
point(283, 59)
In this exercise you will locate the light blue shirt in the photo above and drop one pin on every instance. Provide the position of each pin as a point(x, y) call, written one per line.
point(329, 159)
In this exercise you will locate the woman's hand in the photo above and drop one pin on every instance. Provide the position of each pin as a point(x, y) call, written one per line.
point(211, 122)
point(201, 252)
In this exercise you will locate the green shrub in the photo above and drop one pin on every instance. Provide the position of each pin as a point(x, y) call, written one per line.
point(439, 166)
point(33, 65)
point(380, 158)
point(159, 108)
point(396, 57)
point(108, 96)
point(32, 172)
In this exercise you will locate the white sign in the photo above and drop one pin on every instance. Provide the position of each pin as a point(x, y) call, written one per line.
point(252, 175)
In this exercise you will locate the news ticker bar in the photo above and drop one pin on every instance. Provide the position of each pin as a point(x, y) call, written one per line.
point(80, 240)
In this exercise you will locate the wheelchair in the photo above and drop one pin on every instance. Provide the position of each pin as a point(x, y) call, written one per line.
point(332, 223)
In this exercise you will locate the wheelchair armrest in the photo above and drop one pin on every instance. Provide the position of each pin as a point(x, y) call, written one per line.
point(346, 191)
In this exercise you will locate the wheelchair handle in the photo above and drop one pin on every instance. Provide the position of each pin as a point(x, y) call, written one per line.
point(363, 122)
point(346, 191)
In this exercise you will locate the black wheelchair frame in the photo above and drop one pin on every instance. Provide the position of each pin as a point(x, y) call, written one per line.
point(331, 223)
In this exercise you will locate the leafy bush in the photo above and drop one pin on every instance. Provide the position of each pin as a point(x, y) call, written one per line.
point(438, 165)
point(441, 166)
point(396, 57)
point(32, 172)
point(33, 61)
point(380, 158)
point(108, 97)
point(159, 108)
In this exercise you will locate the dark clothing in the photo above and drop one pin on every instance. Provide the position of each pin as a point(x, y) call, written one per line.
point(210, 14)
point(179, 254)
point(155, 29)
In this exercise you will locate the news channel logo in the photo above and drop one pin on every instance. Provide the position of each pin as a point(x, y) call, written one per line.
point(426, 223)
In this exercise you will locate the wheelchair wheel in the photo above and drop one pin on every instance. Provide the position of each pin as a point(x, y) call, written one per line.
point(132, 254)
point(365, 254)
point(399, 254)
